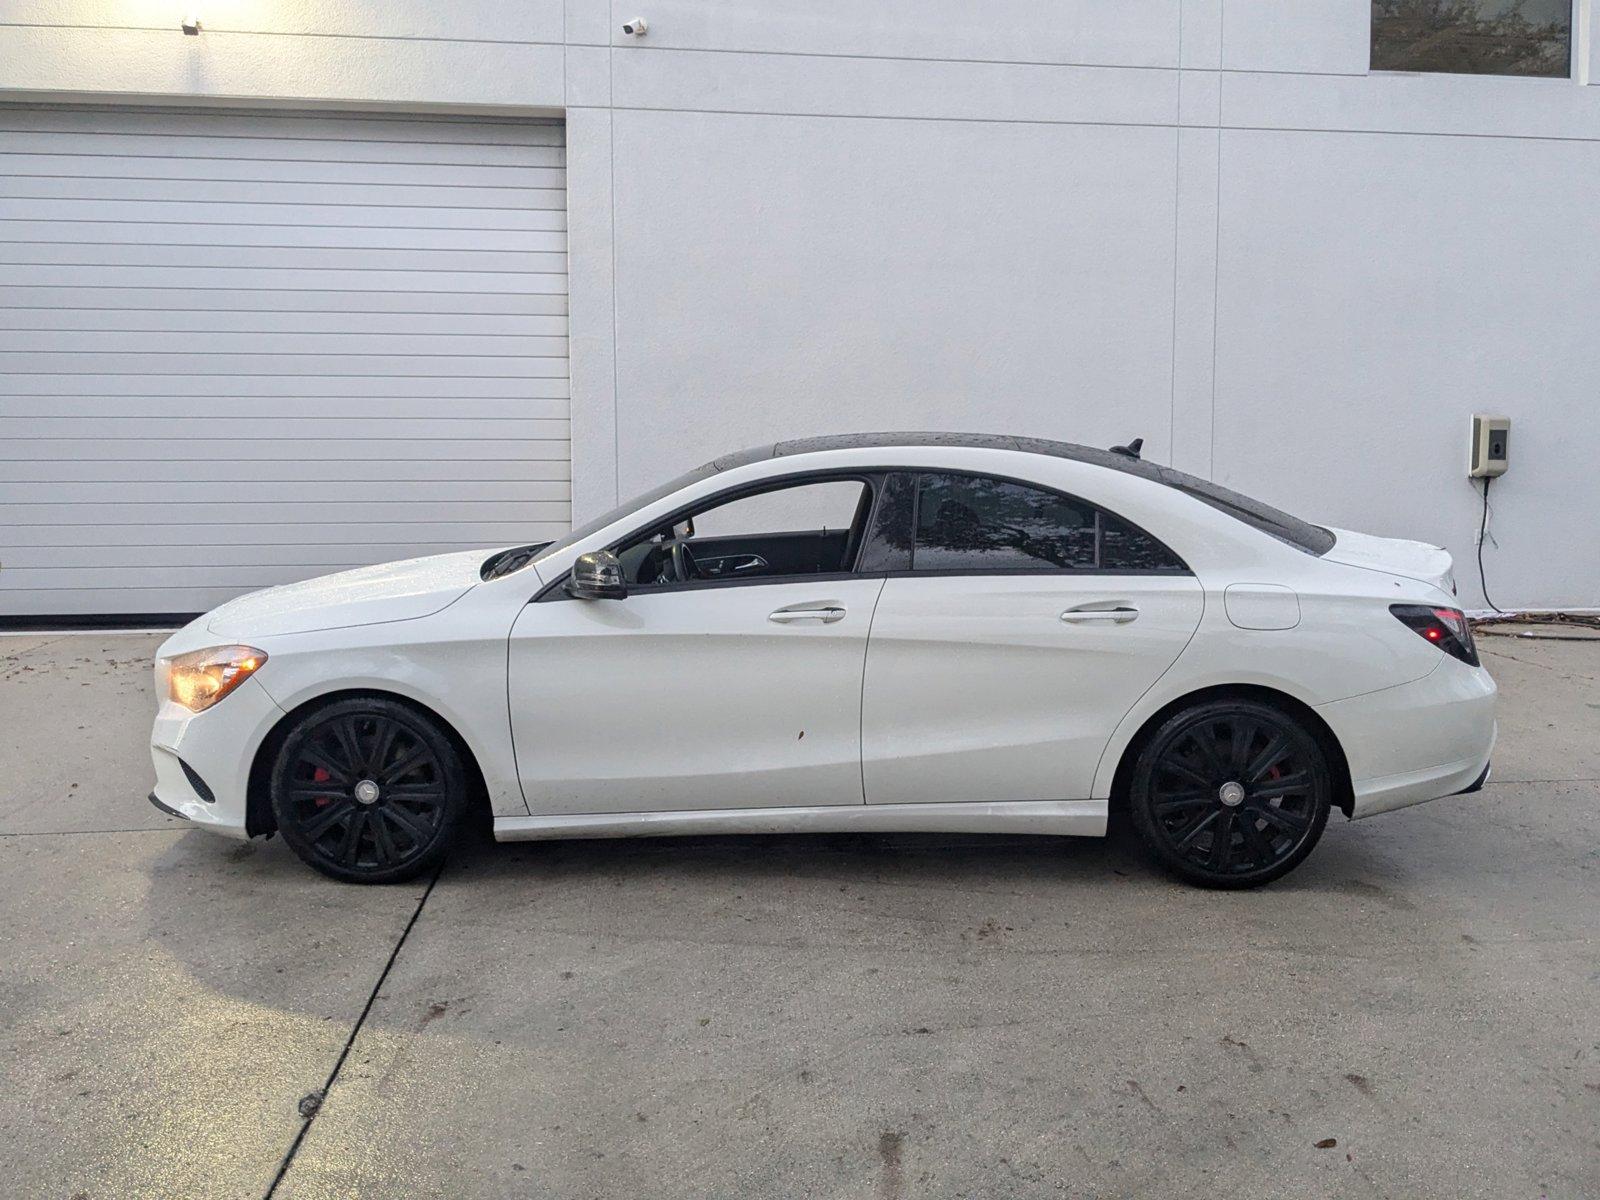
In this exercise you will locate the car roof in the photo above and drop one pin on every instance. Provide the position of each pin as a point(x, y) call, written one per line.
point(967, 441)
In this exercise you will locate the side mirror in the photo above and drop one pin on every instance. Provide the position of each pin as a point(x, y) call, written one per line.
point(597, 576)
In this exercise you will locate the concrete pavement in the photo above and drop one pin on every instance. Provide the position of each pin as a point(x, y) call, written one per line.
point(819, 1016)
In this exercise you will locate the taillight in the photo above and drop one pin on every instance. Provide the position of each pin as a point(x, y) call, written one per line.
point(1446, 628)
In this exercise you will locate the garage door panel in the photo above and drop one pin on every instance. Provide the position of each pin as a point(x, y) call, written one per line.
point(343, 173)
point(202, 471)
point(214, 254)
point(274, 449)
point(224, 512)
point(302, 279)
point(206, 344)
point(244, 348)
point(283, 149)
point(244, 191)
point(368, 366)
point(177, 433)
point(225, 414)
point(182, 490)
point(86, 385)
point(337, 129)
point(40, 604)
point(148, 235)
point(314, 558)
point(346, 215)
point(396, 533)
point(164, 322)
point(290, 300)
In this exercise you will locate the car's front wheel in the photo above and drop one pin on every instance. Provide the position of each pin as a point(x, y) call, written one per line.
point(1231, 793)
point(368, 790)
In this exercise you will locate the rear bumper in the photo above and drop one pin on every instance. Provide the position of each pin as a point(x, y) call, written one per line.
point(1417, 742)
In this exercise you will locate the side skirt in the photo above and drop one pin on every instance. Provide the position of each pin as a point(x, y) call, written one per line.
point(1072, 818)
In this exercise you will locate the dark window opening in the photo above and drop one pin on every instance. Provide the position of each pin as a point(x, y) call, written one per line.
point(1473, 37)
point(888, 542)
point(790, 530)
point(974, 523)
point(1126, 548)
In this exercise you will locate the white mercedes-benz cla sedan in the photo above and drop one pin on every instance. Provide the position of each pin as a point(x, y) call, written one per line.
point(877, 632)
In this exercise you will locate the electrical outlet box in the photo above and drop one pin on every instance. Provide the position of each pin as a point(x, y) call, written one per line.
point(1491, 437)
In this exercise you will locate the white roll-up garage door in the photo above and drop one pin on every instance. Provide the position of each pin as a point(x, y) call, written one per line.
point(238, 349)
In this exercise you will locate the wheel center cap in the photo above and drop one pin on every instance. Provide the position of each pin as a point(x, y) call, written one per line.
point(1231, 794)
point(367, 791)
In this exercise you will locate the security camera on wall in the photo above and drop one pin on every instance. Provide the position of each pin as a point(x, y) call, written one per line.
point(636, 27)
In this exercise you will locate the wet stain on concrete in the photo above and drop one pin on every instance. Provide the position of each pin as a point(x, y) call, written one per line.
point(1251, 1058)
point(891, 1177)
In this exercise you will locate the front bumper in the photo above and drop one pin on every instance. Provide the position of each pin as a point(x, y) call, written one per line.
point(218, 746)
point(1419, 741)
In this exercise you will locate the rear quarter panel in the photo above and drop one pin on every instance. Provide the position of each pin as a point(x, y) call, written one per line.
point(1346, 644)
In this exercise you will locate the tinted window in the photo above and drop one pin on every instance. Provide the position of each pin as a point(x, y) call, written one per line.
point(969, 523)
point(888, 543)
point(1124, 547)
point(1473, 37)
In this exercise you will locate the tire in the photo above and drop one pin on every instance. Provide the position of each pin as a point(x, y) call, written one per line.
point(1231, 793)
point(369, 790)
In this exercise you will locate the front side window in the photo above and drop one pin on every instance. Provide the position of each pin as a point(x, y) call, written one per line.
point(974, 523)
point(786, 531)
point(1473, 37)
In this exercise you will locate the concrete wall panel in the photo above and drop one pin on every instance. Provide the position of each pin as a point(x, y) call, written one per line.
point(814, 275)
point(1373, 295)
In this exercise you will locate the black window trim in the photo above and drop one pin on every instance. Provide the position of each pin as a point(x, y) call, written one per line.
point(875, 479)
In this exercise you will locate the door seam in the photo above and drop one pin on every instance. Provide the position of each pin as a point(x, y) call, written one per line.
point(861, 705)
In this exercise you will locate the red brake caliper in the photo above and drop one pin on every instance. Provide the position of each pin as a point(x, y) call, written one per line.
point(320, 775)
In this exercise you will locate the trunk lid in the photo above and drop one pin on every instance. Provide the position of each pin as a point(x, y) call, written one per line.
point(1397, 556)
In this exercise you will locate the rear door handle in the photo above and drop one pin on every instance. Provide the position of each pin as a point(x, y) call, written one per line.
point(1117, 616)
point(825, 615)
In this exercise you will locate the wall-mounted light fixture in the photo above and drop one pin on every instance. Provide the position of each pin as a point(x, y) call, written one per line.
point(191, 24)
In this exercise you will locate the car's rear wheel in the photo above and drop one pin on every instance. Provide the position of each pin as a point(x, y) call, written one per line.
point(368, 790)
point(1231, 793)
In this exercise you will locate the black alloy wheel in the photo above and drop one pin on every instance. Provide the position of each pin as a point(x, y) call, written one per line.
point(368, 790)
point(1231, 793)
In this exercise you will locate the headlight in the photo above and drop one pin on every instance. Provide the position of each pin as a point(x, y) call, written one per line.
point(199, 679)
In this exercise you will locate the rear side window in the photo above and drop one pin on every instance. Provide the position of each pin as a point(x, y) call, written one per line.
point(975, 523)
point(1125, 547)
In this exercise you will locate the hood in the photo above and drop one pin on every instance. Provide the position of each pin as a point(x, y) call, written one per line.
point(1410, 560)
point(398, 591)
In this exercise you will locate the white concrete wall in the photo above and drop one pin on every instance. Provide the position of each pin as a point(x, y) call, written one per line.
point(1199, 221)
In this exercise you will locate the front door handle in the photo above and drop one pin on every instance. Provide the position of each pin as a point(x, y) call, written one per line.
point(1117, 616)
point(825, 615)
